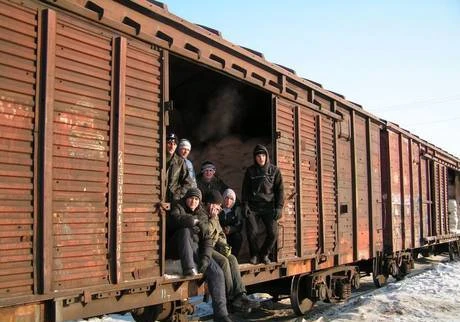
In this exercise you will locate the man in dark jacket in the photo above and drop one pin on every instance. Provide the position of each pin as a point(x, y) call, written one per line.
point(179, 180)
point(189, 240)
point(208, 181)
point(263, 197)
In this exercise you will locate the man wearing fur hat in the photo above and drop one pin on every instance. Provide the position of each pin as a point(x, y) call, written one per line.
point(178, 176)
point(263, 198)
point(189, 240)
point(236, 291)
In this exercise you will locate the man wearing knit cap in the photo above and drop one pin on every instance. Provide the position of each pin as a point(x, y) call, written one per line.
point(263, 198)
point(189, 240)
point(208, 180)
point(236, 291)
point(231, 220)
point(177, 174)
point(183, 149)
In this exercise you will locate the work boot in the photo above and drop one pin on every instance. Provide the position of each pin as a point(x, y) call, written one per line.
point(243, 302)
point(266, 260)
point(191, 272)
point(254, 260)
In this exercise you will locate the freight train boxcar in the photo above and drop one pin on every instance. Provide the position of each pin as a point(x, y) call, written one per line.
point(88, 90)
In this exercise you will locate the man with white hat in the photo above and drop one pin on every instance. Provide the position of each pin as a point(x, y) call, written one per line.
point(177, 174)
point(183, 149)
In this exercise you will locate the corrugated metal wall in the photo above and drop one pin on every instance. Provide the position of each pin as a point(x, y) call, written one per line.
point(416, 194)
point(309, 183)
point(286, 159)
point(99, 155)
point(362, 187)
point(396, 224)
point(81, 157)
point(406, 192)
point(376, 175)
point(317, 221)
point(425, 196)
point(18, 55)
point(344, 186)
point(439, 199)
point(328, 183)
point(140, 244)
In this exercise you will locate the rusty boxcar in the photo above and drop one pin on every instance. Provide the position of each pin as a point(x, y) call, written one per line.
point(88, 90)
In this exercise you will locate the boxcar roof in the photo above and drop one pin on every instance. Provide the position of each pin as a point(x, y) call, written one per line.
point(135, 20)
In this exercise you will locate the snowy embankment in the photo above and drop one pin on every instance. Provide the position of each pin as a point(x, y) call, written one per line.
point(431, 295)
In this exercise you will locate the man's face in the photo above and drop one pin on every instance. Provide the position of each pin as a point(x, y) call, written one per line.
point(213, 209)
point(184, 152)
point(261, 158)
point(171, 146)
point(192, 202)
point(228, 202)
point(208, 174)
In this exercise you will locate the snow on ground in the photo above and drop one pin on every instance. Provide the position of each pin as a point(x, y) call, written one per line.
point(425, 295)
point(429, 296)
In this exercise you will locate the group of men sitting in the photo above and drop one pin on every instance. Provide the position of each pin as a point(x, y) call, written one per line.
point(205, 221)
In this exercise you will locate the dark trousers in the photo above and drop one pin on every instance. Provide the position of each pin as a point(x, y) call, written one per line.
point(271, 227)
point(182, 246)
point(235, 240)
point(233, 282)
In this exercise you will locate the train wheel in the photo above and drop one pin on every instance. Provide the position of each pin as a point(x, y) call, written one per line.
point(300, 301)
point(426, 252)
point(343, 290)
point(355, 282)
point(160, 312)
point(379, 280)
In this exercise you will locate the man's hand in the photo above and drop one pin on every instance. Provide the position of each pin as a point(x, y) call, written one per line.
point(277, 213)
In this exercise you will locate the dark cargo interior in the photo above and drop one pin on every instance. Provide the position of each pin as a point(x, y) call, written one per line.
point(223, 118)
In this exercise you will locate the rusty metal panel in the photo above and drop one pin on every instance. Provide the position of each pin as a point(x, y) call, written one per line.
point(416, 195)
point(406, 195)
point(18, 60)
point(444, 211)
point(439, 187)
point(344, 186)
point(439, 198)
point(286, 157)
point(141, 226)
point(362, 185)
point(395, 215)
point(425, 201)
point(81, 157)
point(376, 187)
point(328, 184)
point(309, 207)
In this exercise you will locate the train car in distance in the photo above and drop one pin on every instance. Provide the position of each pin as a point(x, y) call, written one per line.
point(89, 90)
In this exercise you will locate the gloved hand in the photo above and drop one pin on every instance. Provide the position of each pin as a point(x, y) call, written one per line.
point(204, 263)
point(277, 213)
point(224, 249)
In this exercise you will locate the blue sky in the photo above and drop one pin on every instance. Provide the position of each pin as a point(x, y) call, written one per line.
point(399, 59)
